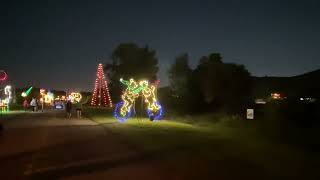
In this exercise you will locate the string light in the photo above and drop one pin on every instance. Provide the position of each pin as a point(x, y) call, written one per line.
point(4, 104)
point(27, 92)
point(101, 91)
point(120, 117)
point(75, 97)
point(49, 97)
point(3, 75)
point(133, 91)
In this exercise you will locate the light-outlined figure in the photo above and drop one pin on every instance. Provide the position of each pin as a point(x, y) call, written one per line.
point(123, 110)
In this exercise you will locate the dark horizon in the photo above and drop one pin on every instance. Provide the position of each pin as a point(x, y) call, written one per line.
point(55, 44)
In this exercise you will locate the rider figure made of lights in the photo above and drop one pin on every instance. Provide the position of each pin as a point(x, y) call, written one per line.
point(123, 110)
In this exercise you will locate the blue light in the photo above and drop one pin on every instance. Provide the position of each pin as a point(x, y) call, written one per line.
point(158, 115)
point(117, 115)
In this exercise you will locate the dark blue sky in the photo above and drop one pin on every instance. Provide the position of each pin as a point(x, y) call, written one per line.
point(54, 44)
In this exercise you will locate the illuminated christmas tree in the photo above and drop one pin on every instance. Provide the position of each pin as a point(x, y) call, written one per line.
point(101, 96)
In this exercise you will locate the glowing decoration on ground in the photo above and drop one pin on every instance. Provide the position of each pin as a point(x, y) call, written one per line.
point(48, 98)
point(3, 75)
point(134, 90)
point(100, 95)
point(8, 93)
point(75, 97)
point(42, 94)
point(117, 110)
point(5, 103)
point(27, 92)
point(158, 115)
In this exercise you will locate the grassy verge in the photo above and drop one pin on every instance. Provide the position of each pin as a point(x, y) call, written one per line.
point(215, 138)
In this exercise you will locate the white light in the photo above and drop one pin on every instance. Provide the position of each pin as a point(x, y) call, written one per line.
point(7, 92)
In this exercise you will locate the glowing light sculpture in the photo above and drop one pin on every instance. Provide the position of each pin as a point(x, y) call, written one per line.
point(27, 92)
point(8, 93)
point(42, 92)
point(5, 103)
point(49, 97)
point(75, 97)
point(123, 109)
point(3, 75)
point(158, 115)
point(100, 95)
point(117, 109)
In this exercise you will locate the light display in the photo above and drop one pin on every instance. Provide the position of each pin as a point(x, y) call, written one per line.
point(158, 115)
point(62, 98)
point(8, 93)
point(100, 95)
point(42, 92)
point(75, 97)
point(27, 92)
point(120, 117)
point(3, 75)
point(5, 103)
point(123, 109)
point(48, 98)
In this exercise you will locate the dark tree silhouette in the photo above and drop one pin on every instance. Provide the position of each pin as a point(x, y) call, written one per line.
point(179, 75)
point(131, 61)
point(209, 74)
point(179, 79)
point(222, 85)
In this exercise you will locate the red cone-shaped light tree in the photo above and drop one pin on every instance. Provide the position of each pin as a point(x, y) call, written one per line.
point(100, 95)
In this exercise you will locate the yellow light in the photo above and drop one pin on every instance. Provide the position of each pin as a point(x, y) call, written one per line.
point(42, 92)
point(275, 95)
point(48, 98)
point(133, 91)
point(75, 97)
point(24, 94)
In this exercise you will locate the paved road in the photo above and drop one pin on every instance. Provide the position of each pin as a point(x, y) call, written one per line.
point(43, 145)
point(49, 146)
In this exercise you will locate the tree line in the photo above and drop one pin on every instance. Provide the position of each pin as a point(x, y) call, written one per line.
point(212, 86)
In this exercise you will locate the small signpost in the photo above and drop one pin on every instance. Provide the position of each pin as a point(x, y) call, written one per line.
point(250, 114)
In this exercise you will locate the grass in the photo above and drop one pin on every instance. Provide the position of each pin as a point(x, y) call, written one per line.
point(215, 137)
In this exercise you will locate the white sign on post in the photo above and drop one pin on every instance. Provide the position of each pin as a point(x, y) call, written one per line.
point(250, 114)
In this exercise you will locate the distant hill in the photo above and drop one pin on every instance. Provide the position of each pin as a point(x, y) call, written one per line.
point(305, 85)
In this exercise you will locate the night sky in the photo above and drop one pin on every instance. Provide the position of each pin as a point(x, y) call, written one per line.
point(55, 44)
